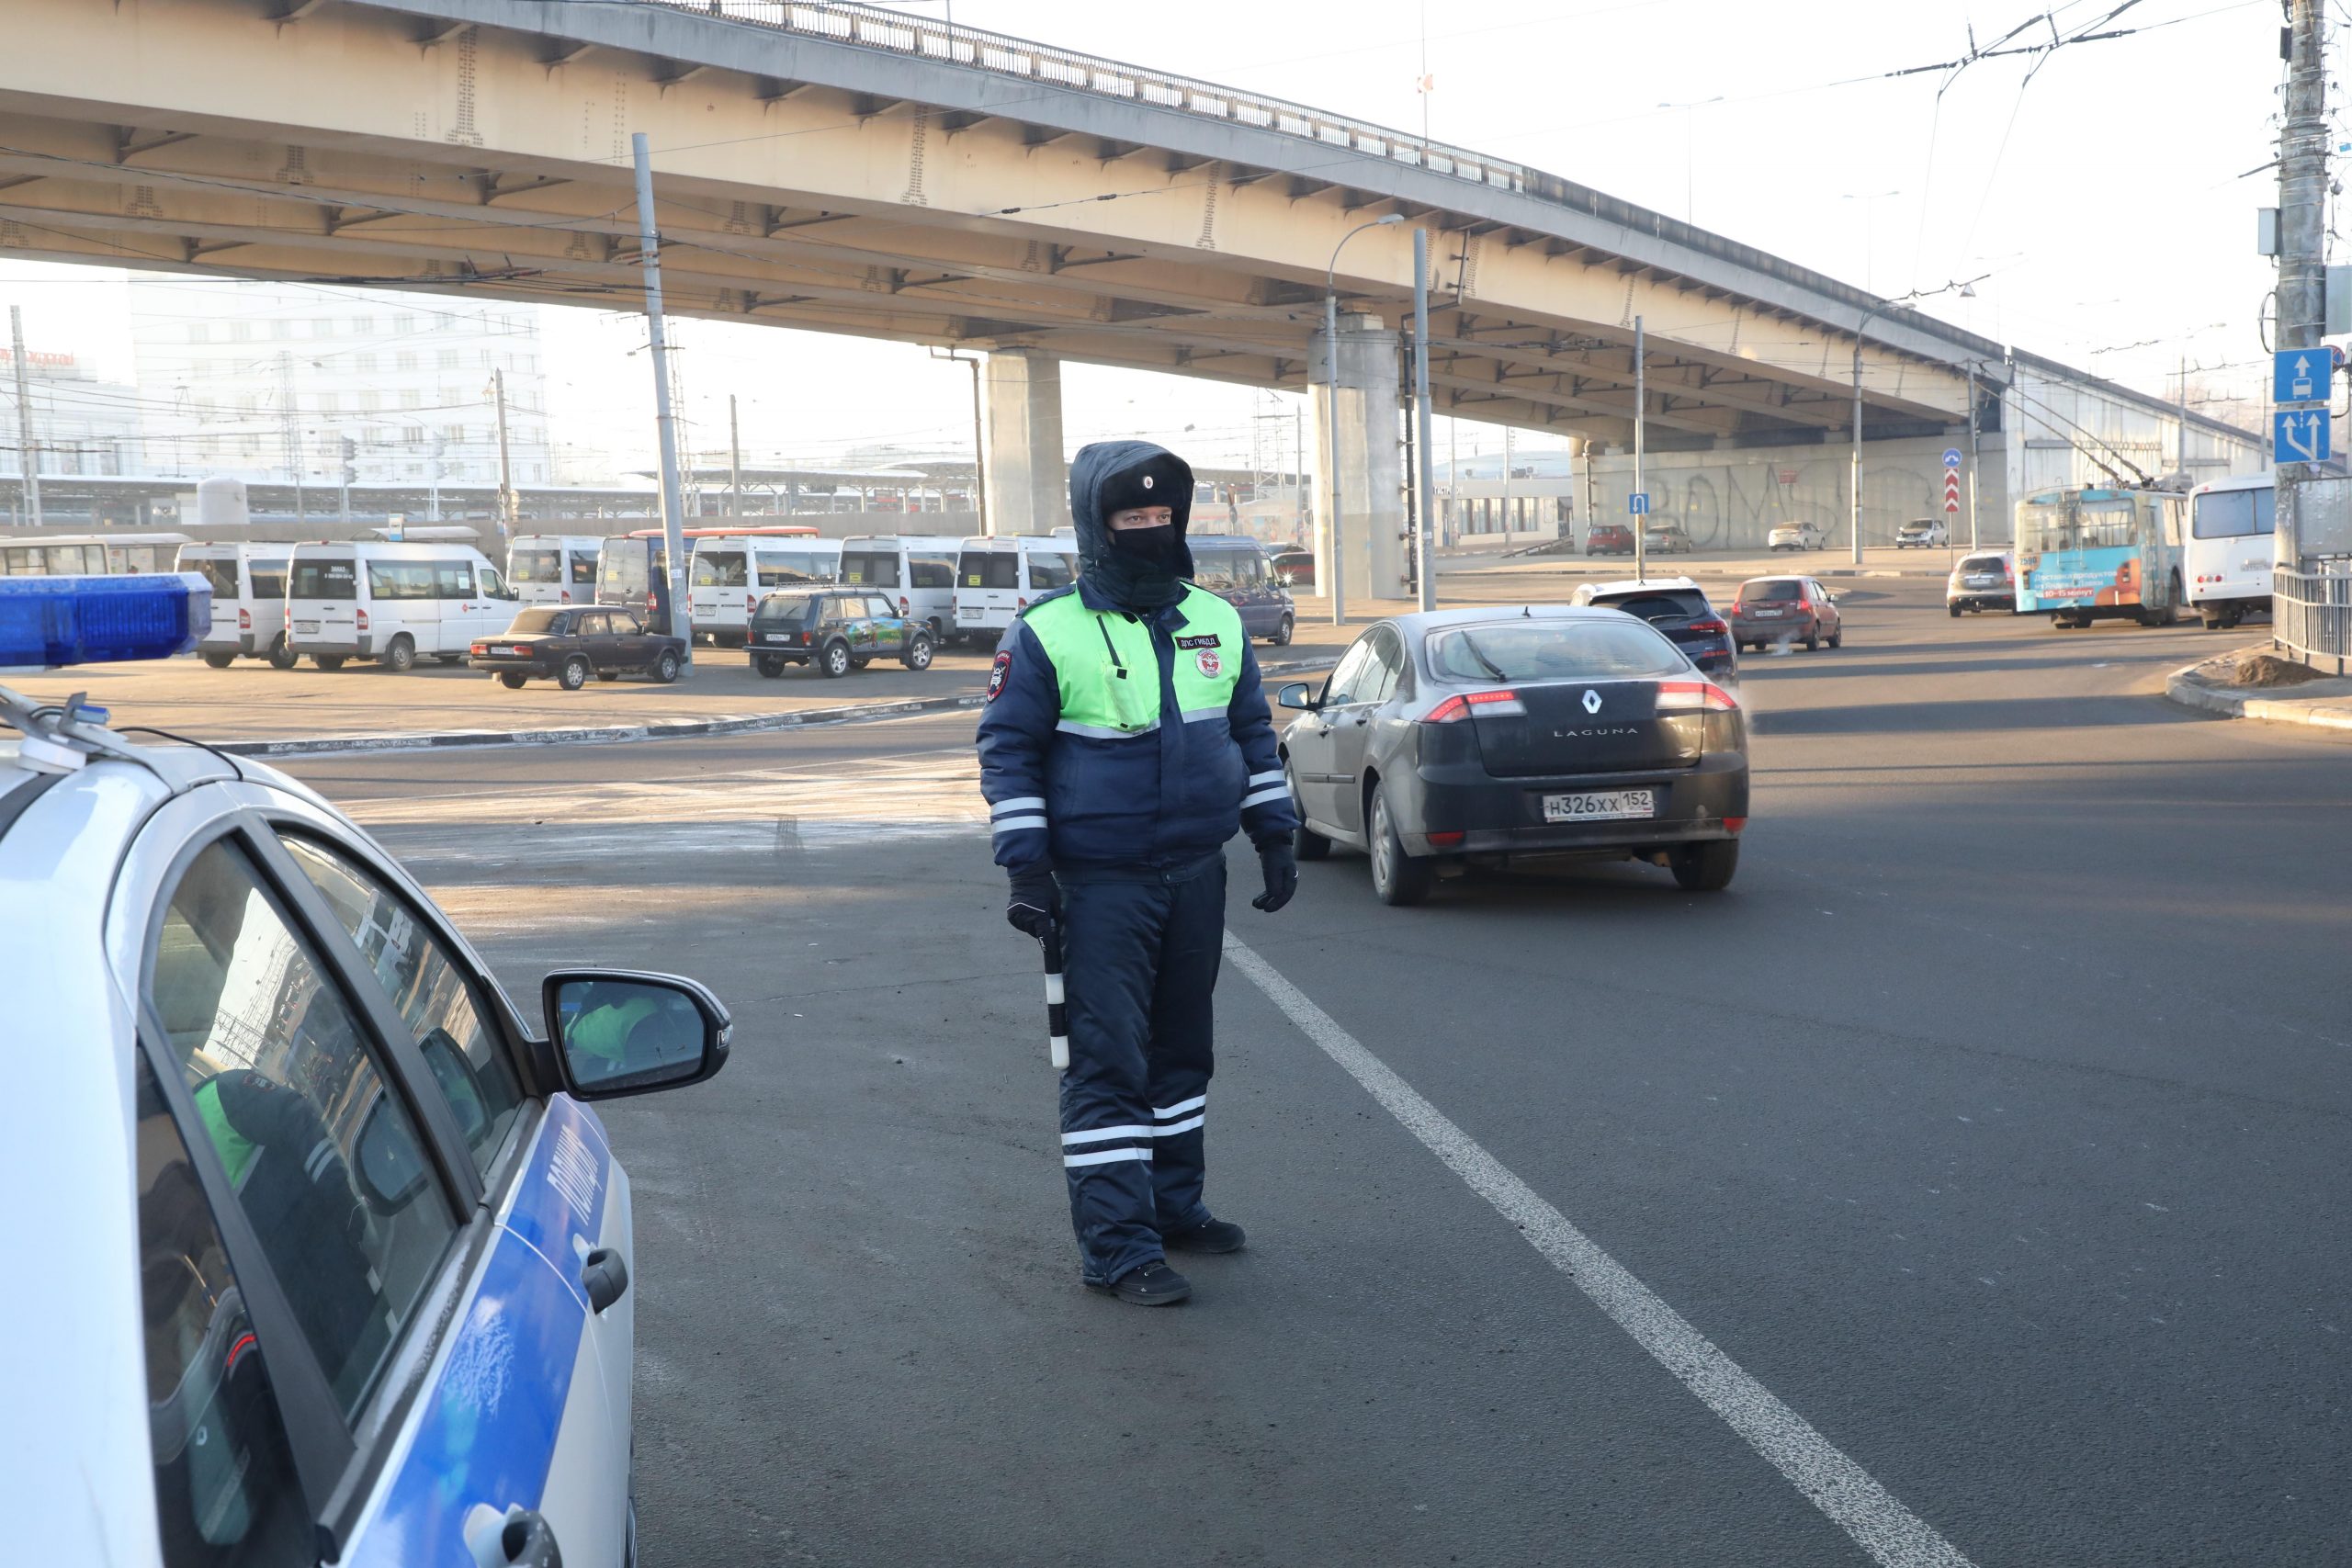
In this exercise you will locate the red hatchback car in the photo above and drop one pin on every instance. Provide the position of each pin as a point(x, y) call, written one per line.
point(1608, 539)
point(1785, 610)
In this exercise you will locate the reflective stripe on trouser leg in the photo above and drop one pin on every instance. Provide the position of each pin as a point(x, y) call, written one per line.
point(1180, 1058)
point(1111, 944)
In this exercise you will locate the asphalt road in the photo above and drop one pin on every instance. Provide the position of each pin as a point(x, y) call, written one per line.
point(1993, 1122)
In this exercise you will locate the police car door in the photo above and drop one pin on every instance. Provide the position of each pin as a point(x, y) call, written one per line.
point(407, 1226)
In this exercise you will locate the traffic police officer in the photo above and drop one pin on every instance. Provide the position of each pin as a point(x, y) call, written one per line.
point(1124, 740)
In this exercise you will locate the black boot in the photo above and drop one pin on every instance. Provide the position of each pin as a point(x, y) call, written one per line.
point(1209, 1235)
point(1151, 1284)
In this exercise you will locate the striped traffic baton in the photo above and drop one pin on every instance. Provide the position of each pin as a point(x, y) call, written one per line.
point(1057, 1017)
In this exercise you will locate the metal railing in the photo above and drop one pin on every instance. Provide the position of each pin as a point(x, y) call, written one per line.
point(921, 38)
point(2311, 612)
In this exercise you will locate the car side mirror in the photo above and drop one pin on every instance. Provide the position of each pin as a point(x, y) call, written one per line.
point(1295, 694)
point(621, 1032)
point(390, 1166)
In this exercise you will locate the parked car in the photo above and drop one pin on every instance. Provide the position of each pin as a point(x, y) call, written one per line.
point(1500, 735)
point(1295, 568)
point(1665, 538)
point(1608, 539)
point(248, 600)
point(1678, 607)
point(1797, 536)
point(569, 646)
point(1925, 532)
point(1234, 568)
point(1785, 610)
point(839, 632)
point(1986, 581)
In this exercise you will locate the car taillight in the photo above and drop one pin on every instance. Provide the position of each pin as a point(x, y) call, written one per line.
point(481, 649)
point(244, 620)
point(362, 620)
point(1494, 704)
point(1737, 608)
point(904, 608)
point(1734, 824)
point(567, 595)
point(1688, 696)
point(751, 602)
point(1711, 627)
point(1021, 604)
point(1448, 840)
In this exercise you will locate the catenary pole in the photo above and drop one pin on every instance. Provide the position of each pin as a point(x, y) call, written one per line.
point(673, 526)
point(1641, 418)
point(1426, 529)
point(27, 454)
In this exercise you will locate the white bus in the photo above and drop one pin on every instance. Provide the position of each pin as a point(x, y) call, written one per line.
point(393, 603)
point(553, 568)
point(917, 570)
point(2231, 547)
point(731, 570)
point(248, 600)
point(997, 576)
point(89, 554)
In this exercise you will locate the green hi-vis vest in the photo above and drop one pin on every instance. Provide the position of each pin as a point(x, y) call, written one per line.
point(1109, 673)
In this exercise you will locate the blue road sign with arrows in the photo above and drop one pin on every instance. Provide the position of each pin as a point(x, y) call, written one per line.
point(2300, 436)
point(1638, 503)
point(2300, 376)
point(1952, 456)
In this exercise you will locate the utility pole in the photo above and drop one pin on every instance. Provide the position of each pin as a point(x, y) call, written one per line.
point(1973, 441)
point(507, 512)
point(1641, 418)
point(27, 454)
point(673, 525)
point(293, 435)
point(2302, 222)
point(734, 462)
point(1425, 529)
point(1298, 471)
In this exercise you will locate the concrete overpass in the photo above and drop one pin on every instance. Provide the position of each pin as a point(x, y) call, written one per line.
point(859, 171)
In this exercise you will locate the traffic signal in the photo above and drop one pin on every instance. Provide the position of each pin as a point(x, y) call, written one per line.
point(350, 460)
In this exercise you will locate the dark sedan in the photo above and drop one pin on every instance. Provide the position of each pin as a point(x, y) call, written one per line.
point(1490, 736)
point(569, 646)
point(1678, 607)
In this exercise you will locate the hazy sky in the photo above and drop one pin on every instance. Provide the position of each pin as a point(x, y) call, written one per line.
point(2109, 198)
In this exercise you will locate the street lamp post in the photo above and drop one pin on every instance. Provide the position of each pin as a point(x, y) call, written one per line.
point(1966, 291)
point(1331, 381)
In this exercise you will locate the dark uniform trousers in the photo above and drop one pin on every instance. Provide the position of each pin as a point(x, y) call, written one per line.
point(1141, 953)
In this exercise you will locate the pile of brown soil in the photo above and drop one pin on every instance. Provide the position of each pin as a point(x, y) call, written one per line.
point(2269, 670)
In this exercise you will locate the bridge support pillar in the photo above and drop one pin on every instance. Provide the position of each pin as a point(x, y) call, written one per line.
point(1369, 464)
point(1028, 478)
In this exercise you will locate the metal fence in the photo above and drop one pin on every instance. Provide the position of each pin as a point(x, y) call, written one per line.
point(2311, 612)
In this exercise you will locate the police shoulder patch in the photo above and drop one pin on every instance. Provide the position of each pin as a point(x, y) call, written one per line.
point(1206, 640)
point(998, 671)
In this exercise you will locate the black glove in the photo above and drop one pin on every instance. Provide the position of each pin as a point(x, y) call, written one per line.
point(1280, 864)
point(1036, 902)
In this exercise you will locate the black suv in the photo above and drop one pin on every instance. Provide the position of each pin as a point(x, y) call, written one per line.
point(569, 646)
point(840, 632)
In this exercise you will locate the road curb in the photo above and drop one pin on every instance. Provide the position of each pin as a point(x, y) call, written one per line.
point(607, 734)
point(2183, 688)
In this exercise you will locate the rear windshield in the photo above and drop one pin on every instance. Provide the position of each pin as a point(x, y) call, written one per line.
point(2235, 513)
point(269, 578)
point(325, 580)
point(622, 567)
point(1919, 527)
point(1981, 563)
point(1770, 591)
point(535, 566)
point(222, 574)
point(987, 568)
point(870, 569)
point(1651, 604)
point(1051, 568)
point(1552, 650)
point(785, 609)
point(528, 622)
point(720, 568)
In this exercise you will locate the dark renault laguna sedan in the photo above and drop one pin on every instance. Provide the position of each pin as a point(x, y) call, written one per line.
point(1492, 735)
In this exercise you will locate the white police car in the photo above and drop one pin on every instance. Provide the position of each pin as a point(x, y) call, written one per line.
point(316, 1253)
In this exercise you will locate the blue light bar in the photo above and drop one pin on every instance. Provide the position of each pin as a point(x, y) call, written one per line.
point(46, 622)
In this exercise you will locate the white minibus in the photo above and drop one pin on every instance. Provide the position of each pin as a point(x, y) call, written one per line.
point(248, 600)
point(731, 570)
point(996, 576)
point(917, 570)
point(394, 603)
point(2230, 550)
point(553, 568)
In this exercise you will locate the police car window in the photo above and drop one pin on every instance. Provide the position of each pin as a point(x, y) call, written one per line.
point(325, 1160)
point(225, 1492)
point(429, 992)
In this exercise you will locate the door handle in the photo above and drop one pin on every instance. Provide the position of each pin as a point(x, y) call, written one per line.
point(604, 1277)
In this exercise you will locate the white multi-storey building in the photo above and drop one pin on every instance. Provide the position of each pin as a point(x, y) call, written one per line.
point(267, 381)
point(81, 424)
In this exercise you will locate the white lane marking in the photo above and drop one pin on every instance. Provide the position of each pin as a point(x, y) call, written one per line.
point(1890, 1533)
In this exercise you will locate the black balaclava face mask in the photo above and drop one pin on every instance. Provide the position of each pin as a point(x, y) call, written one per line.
point(1140, 572)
